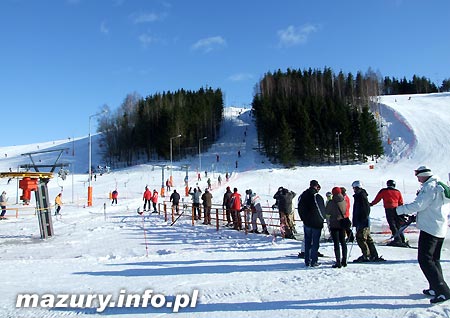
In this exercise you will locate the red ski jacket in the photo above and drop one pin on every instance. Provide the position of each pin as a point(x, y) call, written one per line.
point(392, 198)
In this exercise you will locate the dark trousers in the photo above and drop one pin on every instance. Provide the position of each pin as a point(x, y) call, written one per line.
point(429, 256)
point(3, 211)
point(311, 241)
point(196, 210)
point(145, 204)
point(154, 206)
point(395, 222)
point(338, 236)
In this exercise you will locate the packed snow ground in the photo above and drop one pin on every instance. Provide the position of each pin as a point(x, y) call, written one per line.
point(104, 249)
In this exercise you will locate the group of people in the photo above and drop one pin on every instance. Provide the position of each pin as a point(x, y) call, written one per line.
point(426, 210)
point(251, 206)
point(149, 197)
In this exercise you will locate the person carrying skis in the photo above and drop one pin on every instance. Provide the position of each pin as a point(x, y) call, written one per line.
point(175, 199)
point(336, 210)
point(311, 209)
point(155, 200)
point(392, 198)
point(207, 204)
point(432, 221)
point(146, 197)
point(361, 213)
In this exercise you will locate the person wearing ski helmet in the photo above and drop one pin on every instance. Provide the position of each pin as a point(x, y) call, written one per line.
point(392, 198)
point(361, 214)
point(432, 221)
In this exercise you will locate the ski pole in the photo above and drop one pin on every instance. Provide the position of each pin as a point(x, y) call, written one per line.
point(174, 221)
point(145, 235)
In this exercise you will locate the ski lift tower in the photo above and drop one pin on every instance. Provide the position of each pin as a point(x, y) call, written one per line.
point(37, 181)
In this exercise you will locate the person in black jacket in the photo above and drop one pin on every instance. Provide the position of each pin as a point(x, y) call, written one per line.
point(311, 208)
point(361, 212)
point(175, 199)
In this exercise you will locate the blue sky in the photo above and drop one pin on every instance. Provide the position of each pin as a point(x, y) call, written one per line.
point(61, 61)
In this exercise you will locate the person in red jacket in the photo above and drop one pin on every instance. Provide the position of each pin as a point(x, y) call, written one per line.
point(392, 198)
point(236, 202)
point(147, 198)
point(155, 200)
point(114, 196)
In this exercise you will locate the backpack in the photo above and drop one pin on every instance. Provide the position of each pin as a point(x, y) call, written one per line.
point(446, 191)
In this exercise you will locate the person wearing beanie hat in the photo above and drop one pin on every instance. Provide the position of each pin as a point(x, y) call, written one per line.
point(423, 171)
point(336, 209)
point(432, 221)
point(392, 198)
point(226, 204)
point(361, 216)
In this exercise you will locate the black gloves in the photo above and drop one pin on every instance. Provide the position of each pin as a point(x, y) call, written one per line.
point(411, 218)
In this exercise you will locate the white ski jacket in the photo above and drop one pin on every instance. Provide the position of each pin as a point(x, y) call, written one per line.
point(432, 214)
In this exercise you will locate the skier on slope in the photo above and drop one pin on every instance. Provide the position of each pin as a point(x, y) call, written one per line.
point(361, 213)
point(392, 198)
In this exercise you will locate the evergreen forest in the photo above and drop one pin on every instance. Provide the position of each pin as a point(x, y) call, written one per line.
point(143, 129)
point(302, 116)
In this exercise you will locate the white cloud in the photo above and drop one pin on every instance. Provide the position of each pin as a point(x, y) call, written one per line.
point(209, 44)
point(146, 17)
point(103, 28)
point(239, 77)
point(292, 35)
point(146, 39)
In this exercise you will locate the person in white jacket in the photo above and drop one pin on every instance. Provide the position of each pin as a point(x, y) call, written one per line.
point(431, 220)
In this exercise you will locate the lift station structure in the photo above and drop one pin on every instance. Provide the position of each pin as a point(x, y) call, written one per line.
point(37, 181)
